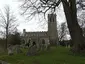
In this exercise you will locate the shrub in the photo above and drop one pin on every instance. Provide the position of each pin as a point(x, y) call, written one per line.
point(14, 39)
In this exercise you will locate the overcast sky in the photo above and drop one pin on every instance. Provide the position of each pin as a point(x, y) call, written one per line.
point(34, 24)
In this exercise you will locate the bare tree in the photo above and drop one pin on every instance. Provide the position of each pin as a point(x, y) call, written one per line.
point(7, 22)
point(81, 4)
point(63, 31)
point(33, 7)
point(81, 21)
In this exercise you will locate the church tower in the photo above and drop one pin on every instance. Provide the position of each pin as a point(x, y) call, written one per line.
point(52, 29)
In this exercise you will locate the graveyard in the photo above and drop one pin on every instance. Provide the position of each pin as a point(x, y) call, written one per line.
point(42, 32)
point(56, 55)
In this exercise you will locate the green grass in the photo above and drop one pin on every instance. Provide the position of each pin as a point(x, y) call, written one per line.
point(57, 55)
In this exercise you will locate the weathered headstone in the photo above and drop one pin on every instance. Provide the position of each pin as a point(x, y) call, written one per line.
point(0, 62)
point(32, 50)
point(17, 49)
point(10, 49)
point(47, 45)
point(43, 45)
point(3, 62)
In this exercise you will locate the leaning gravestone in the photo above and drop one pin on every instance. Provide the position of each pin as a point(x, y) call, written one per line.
point(10, 50)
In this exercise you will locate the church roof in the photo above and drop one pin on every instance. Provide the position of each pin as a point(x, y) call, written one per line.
point(41, 33)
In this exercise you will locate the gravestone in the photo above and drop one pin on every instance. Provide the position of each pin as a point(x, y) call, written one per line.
point(3, 62)
point(32, 50)
point(17, 49)
point(10, 49)
point(47, 45)
point(43, 45)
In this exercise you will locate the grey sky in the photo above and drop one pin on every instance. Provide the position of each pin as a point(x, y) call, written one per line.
point(33, 25)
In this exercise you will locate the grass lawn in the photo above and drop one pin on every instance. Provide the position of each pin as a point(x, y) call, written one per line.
point(57, 55)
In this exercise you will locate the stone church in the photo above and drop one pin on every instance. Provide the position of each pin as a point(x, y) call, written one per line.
point(50, 36)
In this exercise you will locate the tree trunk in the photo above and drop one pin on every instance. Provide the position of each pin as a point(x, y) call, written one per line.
point(6, 37)
point(74, 28)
